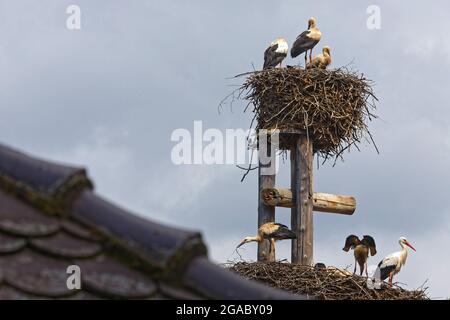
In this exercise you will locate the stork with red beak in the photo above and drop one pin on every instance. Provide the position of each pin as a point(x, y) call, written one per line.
point(393, 263)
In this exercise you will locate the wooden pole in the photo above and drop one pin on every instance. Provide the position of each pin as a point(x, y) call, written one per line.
point(302, 190)
point(266, 213)
point(322, 202)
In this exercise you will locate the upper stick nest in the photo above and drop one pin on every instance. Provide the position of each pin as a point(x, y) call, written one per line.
point(322, 283)
point(331, 106)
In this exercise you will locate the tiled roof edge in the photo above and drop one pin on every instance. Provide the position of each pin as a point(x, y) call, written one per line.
point(159, 248)
point(47, 186)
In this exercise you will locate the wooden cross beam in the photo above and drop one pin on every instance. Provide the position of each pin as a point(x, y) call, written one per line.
point(322, 202)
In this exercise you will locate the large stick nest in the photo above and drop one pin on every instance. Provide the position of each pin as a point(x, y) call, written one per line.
point(332, 107)
point(322, 283)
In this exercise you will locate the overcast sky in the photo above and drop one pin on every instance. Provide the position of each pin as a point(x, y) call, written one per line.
point(109, 96)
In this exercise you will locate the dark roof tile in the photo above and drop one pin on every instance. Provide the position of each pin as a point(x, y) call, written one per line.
point(110, 278)
point(9, 293)
point(170, 292)
point(79, 231)
point(164, 247)
point(66, 246)
point(38, 174)
point(20, 219)
point(36, 274)
point(83, 295)
point(10, 244)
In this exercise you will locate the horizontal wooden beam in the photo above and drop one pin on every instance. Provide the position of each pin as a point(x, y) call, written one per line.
point(322, 202)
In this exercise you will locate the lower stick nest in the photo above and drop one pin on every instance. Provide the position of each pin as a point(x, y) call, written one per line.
point(332, 107)
point(321, 283)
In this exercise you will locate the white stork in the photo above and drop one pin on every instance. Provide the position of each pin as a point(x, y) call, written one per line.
point(307, 40)
point(321, 61)
point(392, 263)
point(275, 53)
point(271, 231)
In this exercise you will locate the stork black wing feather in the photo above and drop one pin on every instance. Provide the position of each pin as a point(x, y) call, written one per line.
point(269, 56)
point(301, 44)
point(282, 232)
point(270, 50)
point(385, 271)
point(304, 34)
point(370, 242)
point(281, 225)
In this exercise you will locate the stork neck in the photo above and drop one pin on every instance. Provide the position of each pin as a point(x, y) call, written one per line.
point(315, 34)
point(404, 253)
point(257, 238)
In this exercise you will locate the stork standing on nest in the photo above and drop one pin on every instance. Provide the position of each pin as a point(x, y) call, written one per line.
point(307, 40)
point(271, 231)
point(393, 263)
point(321, 61)
point(275, 53)
point(361, 250)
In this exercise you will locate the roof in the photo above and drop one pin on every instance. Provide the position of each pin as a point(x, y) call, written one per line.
point(51, 218)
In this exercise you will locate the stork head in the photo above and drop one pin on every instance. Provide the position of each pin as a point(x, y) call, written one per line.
point(404, 242)
point(312, 22)
point(351, 242)
point(326, 50)
point(247, 240)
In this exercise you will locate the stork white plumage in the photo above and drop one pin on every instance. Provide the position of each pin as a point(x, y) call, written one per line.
point(393, 263)
point(275, 53)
